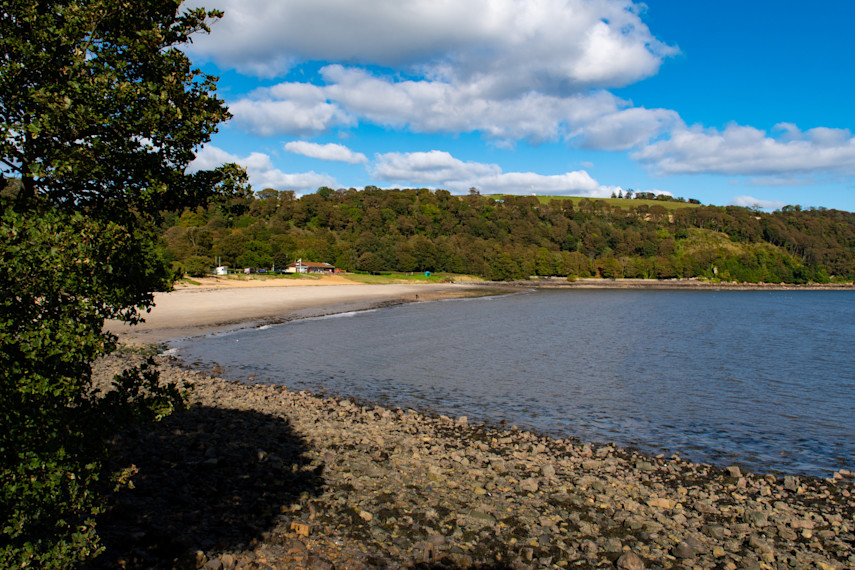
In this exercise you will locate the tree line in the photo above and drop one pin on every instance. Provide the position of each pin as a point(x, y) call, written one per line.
point(511, 237)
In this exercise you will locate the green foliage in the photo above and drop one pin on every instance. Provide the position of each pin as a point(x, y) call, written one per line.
point(100, 112)
point(198, 266)
point(663, 200)
point(516, 237)
point(610, 268)
point(52, 264)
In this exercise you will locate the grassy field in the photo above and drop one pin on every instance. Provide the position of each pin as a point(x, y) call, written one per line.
point(702, 239)
point(415, 277)
point(619, 202)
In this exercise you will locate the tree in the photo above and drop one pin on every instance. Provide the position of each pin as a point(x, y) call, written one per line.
point(610, 268)
point(101, 113)
point(545, 262)
point(198, 266)
point(280, 260)
point(369, 262)
point(578, 264)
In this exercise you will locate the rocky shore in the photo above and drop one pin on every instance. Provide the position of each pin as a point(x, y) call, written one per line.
point(262, 477)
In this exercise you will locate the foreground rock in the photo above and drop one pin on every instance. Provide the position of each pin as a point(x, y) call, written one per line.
point(260, 477)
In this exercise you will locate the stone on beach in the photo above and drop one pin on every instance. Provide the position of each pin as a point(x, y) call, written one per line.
point(630, 561)
point(314, 482)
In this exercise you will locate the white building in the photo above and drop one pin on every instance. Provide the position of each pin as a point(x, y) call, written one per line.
point(301, 266)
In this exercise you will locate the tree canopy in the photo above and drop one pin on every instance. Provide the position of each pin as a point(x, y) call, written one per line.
point(100, 114)
point(101, 109)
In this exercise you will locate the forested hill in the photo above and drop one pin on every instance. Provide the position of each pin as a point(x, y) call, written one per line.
point(513, 237)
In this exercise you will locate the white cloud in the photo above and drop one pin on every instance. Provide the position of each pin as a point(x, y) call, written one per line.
point(262, 173)
point(510, 69)
point(434, 167)
point(594, 120)
point(626, 128)
point(741, 150)
point(330, 152)
point(751, 202)
point(783, 180)
point(576, 183)
point(441, 170)
point(300, 182)
point(293, 108)
point(507, 46)
point(209, 158)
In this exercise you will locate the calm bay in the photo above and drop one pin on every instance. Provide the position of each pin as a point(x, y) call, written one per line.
point(764, 379)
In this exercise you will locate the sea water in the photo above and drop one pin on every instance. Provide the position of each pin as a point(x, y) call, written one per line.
point(764, 379)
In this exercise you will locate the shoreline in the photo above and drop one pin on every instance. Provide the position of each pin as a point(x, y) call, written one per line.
point(189, 312)
point(668, 284)
point(195, 319)
point(217, 304)
point(258, 476)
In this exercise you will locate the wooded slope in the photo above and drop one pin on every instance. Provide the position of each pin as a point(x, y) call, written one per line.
point(513, 237)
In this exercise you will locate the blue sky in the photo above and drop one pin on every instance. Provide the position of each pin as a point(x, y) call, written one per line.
point(729, 102)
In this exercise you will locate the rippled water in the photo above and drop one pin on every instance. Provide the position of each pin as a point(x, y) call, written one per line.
point(763, 379)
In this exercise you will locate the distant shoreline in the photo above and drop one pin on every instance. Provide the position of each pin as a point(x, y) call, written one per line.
point(681, 284)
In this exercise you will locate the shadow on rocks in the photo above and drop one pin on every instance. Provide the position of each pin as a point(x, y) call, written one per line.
point(208, 478)
point(451, 566)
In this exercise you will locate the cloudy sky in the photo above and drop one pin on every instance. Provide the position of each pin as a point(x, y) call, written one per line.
point(730, 102)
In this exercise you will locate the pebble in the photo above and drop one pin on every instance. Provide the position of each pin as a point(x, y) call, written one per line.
point(684, 550)
point(791, 484)
point(529, 485)
point(630, 561)
point(254, 476)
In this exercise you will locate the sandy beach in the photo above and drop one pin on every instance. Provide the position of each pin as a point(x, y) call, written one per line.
point(220, 304)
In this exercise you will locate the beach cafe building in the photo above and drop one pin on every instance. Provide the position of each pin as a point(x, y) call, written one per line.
point(301, 266)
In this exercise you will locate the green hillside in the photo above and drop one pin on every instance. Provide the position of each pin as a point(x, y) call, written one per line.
point(513, 237)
